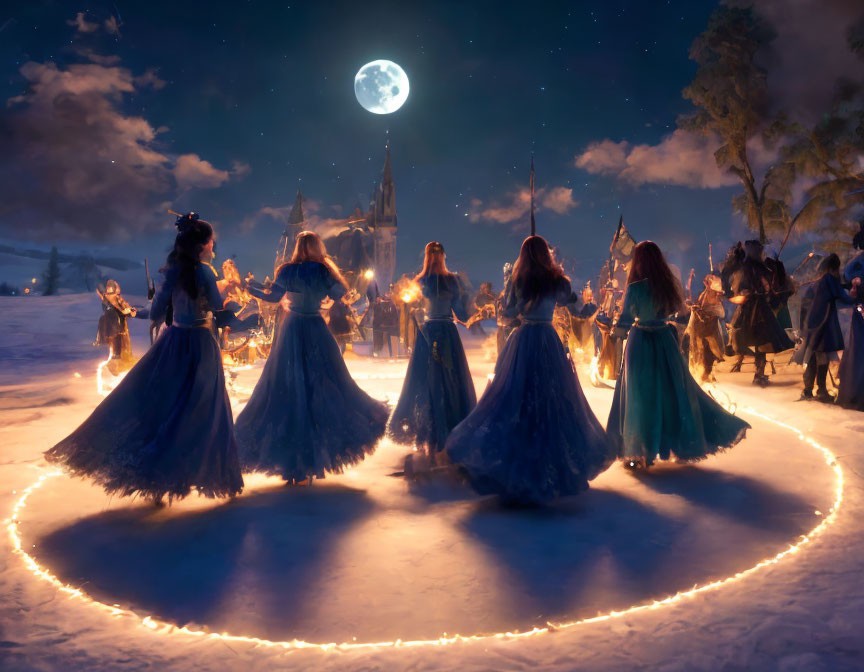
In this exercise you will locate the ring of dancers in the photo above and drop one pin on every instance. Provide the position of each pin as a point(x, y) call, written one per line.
point(438, 391)
point(306, 416)
point(532, 437)
point(167, 427)
point(658, 410)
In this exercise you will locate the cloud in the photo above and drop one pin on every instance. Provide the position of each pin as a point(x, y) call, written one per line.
point(82, 25)
point(558, 200)
point(315, 221)
point(517, 205)
point(192, 171)
point(680, 158)
point(75, 166)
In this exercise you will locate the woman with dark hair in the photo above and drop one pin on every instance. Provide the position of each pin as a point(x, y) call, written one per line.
point(438, 391)
point(306, 416)
point(532, 437)
point(167, 427)
point(850, 391)
point(823, 338)
point(658, 410)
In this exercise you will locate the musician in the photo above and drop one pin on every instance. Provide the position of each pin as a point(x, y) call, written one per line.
point(704, 329)
point(484, 308)
point(113, 329)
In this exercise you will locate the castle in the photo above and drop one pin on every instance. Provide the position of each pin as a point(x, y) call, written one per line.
point(364, 242)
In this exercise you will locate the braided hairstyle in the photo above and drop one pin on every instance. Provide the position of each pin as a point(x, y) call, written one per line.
point(192, 235)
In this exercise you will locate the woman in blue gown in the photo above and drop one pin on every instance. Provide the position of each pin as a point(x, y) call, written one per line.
point(850, 393)
point(438, 391)
point(658, 409)
point(307, 416)
point(167, 427)
point(823, 338)
point(532, 437)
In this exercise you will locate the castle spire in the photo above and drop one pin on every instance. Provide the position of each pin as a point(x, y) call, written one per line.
point(293, 226)
point(297, 217)
point(383, 222)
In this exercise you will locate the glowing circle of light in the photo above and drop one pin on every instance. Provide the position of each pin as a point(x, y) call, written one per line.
point(381, 87)
point(163, 627)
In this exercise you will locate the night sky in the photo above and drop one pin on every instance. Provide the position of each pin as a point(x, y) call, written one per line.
point(263, 93)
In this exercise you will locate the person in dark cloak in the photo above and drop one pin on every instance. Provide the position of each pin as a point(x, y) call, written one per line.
point(850, 390)
point(342, 322)
point(754, 328)
point(823, 339)
point(385, 325)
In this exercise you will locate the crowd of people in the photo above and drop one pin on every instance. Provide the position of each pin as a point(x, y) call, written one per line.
point(531, 438)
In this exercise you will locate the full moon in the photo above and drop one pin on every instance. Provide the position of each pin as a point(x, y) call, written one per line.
point(381, 87)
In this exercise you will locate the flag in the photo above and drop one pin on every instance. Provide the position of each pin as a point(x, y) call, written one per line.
point(622, 245)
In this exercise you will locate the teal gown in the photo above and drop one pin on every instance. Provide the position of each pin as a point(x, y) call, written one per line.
point(659, 411)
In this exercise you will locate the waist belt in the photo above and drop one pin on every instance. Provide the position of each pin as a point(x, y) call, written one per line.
point(203, 323)
point(651, 325)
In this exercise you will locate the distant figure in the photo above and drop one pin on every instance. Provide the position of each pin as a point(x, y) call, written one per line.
point(342, 322)
point(748, 284)
point(707, 345)
point(823, 338)
point(306, 416)
point(167, 428)
point(658, 410)
point(385, 325)
point(113, 329)
point(438, 391)
point(532, 437)
point(850, 392)
point(484, 309)
point(506, 325)
point(583, 326)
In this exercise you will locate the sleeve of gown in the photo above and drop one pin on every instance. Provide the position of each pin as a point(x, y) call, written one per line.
point(564, 293)
point(335, 289)
point(461, 301)
point(839, 294)
point(628, 311)
point(211, 289)
point(511, 303)
point(162, 299)
point(276, 291)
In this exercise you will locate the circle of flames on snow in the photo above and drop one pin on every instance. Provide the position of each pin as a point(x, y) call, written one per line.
point(164, 627)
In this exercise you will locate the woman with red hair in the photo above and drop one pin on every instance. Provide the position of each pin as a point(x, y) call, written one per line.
point(659, 411)
point(532, 437)
point(307, 416)
point(438, 391)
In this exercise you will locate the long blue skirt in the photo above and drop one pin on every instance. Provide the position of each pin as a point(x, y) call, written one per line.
point(851, 389)
point(165, 429)
point(659, 409)
point(438, 391)
point(306, 415)
point(532, 437)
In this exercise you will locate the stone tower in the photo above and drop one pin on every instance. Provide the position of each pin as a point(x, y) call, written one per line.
point(293, 226)
point(382, 222)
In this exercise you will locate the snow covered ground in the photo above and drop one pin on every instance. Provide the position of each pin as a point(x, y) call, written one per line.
point(365, 555)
